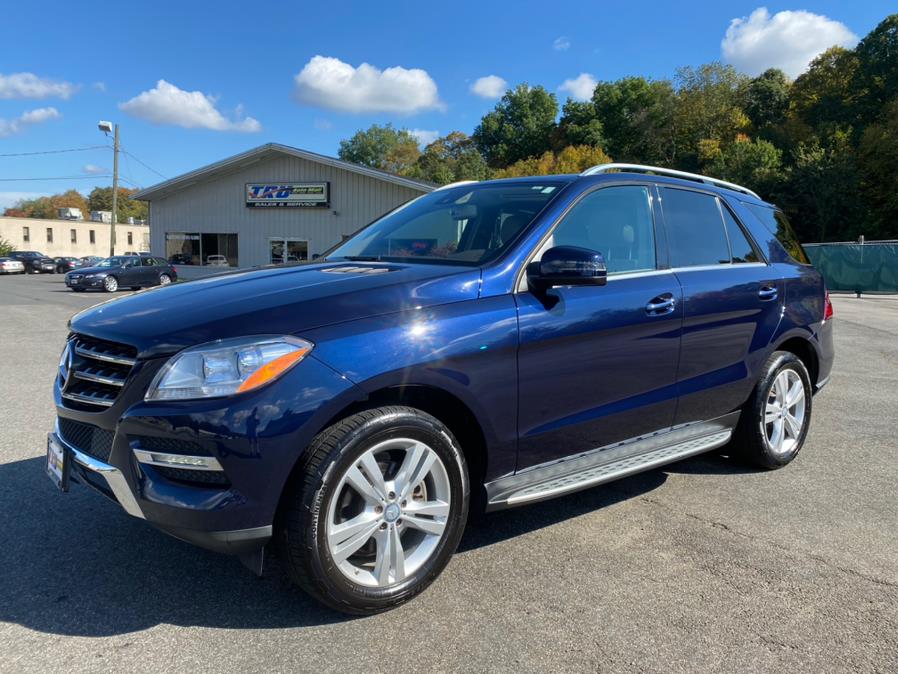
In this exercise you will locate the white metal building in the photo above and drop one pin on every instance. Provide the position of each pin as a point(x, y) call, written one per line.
point(270, 204)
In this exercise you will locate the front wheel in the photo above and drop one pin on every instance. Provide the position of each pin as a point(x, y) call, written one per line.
point(164, 279)
point(377, 511)
point(110, 284)
point(775, 420)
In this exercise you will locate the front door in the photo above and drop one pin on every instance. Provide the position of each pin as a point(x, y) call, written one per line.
point(283, 250)
point(598, 364)
point(732, 303)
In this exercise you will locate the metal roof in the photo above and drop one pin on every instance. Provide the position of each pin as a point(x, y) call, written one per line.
point(252, 156)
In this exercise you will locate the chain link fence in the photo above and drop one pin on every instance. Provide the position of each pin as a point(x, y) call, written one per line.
point(858, 267)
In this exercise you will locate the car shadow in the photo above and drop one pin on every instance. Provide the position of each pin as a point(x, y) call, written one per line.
point(76, 564)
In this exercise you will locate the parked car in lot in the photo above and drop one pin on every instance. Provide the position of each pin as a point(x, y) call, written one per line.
point(217, 261)
point(180, 258)
point(122, 271)
point(64, 264)
point(90, 260)
point(11, 266)
point(488, 345)
point(34, 262)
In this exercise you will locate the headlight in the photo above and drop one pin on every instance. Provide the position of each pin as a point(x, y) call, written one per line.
point(226, 367)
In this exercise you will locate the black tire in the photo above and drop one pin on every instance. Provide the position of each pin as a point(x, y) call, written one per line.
point(110, 287)
point(750, 440)
point(301, 535)
point(164, 279)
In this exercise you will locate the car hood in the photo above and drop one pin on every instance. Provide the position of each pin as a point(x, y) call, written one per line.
point(279, 300)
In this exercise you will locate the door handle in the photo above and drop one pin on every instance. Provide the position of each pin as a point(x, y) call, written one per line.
point(661, 305)
point(767, 292)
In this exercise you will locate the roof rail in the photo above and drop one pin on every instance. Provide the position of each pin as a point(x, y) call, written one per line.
point(639, 168)
point(455, 184)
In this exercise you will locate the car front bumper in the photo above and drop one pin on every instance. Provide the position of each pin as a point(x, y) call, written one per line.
point(255, 440)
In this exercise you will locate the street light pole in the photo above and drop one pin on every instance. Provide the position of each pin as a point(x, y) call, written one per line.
point(114, 192)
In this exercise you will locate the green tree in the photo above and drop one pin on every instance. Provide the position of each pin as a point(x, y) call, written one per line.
point(520, 126)
point(757, 163)
point(876, 77)
point(637, 118)
point(824, 96)
point(6, 247)
point(709, 108)
point(449, 159)
point(767, 99)
point(878, 162)
point(382, 147)
point(100, 199)
point(580, 125)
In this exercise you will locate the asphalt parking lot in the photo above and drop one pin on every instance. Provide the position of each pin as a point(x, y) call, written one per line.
point(701, 566)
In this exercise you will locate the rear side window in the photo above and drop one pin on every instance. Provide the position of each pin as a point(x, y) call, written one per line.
point(695, 230)
point(615, 221)
point(740, 246)
point(779, 226)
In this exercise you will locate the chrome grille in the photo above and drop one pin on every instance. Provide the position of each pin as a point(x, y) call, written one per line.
point(98, 371)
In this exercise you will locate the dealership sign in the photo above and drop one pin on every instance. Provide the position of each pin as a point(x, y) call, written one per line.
point(296, 195)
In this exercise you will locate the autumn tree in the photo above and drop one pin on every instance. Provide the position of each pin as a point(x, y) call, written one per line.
point(520, 126)
point(451, 158)
point(382, 147)
point(100, 199)
point(572, 159)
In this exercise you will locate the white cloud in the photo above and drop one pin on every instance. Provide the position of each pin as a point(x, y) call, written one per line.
point(581, 87)
point(561, 43)
point(491, 86)
point(424, 137)
point(99, 86)
point(9, 127)
point(93, 169)
point(321, 124)
point(328, 82)
point(787, 40)
point(29, 85)
point(167, 104)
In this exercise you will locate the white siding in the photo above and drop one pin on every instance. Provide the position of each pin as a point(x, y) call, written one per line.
point(218, 205)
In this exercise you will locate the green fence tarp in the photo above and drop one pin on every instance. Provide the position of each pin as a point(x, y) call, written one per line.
point(855, 267)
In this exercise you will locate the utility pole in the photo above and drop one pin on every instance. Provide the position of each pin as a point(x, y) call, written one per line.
point(114, 192)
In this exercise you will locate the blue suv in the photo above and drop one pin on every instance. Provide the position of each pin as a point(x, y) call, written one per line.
point(486, 345)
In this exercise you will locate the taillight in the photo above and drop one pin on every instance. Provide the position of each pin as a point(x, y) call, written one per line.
point(828, 311)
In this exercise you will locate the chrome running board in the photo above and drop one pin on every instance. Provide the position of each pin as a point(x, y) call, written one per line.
point(609, 463)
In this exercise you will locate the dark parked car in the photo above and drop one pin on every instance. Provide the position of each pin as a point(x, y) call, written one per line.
point(488, 345)
point(122, 271)
point(180, 258)
point(34, 262)
point(90, 260)
point(64, 264)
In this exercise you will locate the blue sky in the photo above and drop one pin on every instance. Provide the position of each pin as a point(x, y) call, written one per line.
point(236, 75)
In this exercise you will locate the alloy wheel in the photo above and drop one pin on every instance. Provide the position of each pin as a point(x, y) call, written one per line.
point(785, 412)
point(164, 279)
point(389, 512)
point(110, 284)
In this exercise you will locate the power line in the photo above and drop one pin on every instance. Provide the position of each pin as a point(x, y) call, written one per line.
point(73, 149)
point(91, 177)
point(145, 165)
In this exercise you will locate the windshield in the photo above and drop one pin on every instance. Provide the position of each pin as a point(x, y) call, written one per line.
point(113, 262)
point(468, 224)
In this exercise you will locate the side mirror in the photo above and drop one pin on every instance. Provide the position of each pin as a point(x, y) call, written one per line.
point(568, 266)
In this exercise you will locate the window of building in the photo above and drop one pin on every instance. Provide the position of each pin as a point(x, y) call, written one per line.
point(196, 248)
point(49, 235)
point(26, 234)
point(741, 247)
point(93, 236)
point(130, 239)
point(74, 235)
point(615, 221)
point(695, 230)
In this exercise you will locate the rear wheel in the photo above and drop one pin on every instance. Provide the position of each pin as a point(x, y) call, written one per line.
point(164, 279)
point(377, 511)
point(775, 420)
point(110, 284)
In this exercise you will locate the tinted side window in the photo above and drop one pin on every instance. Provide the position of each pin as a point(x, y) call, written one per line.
point(617, 222)
point(741, 247)
point(779, 226)
point(694, 229)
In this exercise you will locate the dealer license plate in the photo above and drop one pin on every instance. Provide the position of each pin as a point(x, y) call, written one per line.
point(58, 464)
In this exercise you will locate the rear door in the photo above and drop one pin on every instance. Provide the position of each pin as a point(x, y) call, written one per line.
point(732, 298)
point(597, 364)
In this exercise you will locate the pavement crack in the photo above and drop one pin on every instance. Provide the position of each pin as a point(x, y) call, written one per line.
point(717, 524)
